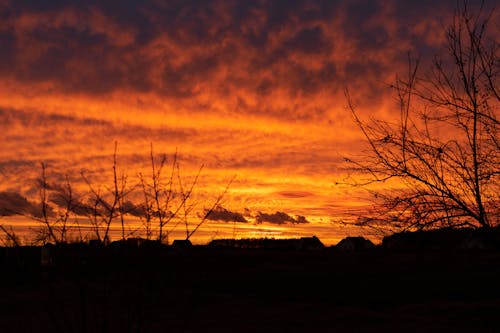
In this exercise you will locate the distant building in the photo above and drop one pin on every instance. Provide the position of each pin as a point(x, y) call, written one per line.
point(182, 244)
point(95, 243)
point(310, 243)
point(304, 243)
point(444, 239)
point(130, 242)
point(482, 240)
point(223, 243)
point(352, 244)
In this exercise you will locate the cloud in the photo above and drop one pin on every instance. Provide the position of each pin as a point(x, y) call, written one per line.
point(60, 197)
point(182, 50)
point(63, 199)
point(135, 210)
point(253, 88)
point(12, 203)
point(280, 218)
point(295, 194)
point(222, 214)
point(309, 40)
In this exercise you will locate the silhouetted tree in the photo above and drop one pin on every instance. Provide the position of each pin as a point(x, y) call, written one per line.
point(105, 207)
point(159, 196)
point(11, 239)
point(57, 205)
point(168, 201)
point(165, 203)
point(444, 149)
point(209, 211)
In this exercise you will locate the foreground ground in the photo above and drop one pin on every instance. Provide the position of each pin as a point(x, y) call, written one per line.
point(237, 290)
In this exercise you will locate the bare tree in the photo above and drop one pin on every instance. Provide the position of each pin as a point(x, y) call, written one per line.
point(443, 151)
point(68, 205)
point(147, 208)
point(57, 205)
point(168, 201)
point(158, 195)
point(47, 233)
point(164, 202)
point(107, 206)
point(11, 239)
point(215, 204)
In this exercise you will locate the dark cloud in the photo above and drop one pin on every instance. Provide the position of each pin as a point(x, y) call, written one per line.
point(309, 40)
point(280, 218)
point(13, 117)
point(64, 199)
point(295, 194)
point(135, 210)
point(180, 82)
point(222, 214)
point(12, 203)
point(300, 219)
point(60, 199)
point(7, 56)
point(17, 166)
point(181, 48)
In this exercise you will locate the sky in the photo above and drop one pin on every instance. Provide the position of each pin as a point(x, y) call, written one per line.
point(249, 89)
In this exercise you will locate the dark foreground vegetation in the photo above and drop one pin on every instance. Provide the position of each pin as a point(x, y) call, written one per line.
point(139, 286)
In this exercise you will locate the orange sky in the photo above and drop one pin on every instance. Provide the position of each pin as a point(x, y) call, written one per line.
point(248, 89)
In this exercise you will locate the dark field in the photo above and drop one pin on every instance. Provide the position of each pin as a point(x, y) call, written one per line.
point(248, 290)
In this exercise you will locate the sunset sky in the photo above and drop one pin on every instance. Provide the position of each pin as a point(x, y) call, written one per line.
point(250, 89)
